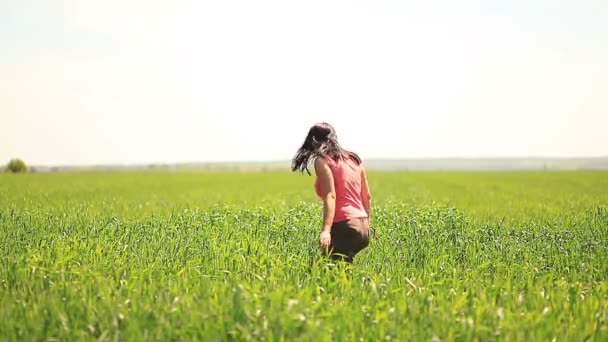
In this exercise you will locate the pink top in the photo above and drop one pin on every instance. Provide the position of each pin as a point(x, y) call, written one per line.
point(347, 182)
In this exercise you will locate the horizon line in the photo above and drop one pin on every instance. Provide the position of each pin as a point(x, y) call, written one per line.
point(263, 161)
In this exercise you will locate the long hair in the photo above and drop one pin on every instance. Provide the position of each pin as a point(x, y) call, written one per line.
point(321, 141)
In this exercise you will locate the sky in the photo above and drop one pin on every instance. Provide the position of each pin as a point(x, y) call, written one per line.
point(86, 82)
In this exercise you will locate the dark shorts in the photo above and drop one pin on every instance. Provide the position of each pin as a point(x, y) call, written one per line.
point(348, 238)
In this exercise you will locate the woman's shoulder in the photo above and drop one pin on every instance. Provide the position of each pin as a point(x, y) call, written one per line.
point(322, 161)
point(326, 159)
point(354, 157)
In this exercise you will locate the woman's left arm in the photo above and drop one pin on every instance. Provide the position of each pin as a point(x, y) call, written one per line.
point(328, 194)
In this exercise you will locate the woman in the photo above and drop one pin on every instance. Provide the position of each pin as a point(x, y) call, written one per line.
point(342, 185)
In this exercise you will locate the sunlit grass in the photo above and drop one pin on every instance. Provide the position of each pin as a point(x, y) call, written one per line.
point(513, 256)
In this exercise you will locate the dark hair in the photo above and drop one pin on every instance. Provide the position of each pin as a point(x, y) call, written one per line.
point(321, 141)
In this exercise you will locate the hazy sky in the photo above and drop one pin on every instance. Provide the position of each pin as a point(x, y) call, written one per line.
point(137, 81)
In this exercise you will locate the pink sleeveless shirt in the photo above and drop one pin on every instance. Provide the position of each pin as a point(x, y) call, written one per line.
point(347, 182)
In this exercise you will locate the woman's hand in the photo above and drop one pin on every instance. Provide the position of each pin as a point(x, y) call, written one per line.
point(325, 239)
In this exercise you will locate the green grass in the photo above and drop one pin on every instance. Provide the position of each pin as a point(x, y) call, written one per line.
point(228, 256)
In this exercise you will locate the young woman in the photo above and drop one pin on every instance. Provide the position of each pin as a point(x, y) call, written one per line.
point(342, 185)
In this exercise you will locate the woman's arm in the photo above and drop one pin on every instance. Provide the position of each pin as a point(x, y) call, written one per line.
point(366, 195)
point(328, 194)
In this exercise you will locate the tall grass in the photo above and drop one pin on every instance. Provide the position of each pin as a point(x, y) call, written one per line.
point(456, 256)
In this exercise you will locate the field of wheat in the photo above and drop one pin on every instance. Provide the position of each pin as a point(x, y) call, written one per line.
point(234, 256)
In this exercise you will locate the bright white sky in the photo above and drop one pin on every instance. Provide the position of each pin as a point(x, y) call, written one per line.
point(138, 81)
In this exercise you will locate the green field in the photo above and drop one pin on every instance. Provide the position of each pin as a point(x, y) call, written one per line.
point(229, 256)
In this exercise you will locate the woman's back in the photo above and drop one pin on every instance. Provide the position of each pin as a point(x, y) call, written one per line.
point(347, 176)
